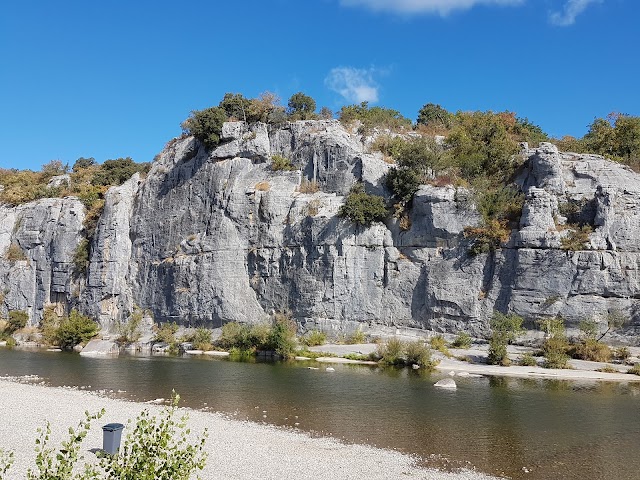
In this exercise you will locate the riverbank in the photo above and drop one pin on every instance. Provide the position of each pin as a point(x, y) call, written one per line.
point(237, 449)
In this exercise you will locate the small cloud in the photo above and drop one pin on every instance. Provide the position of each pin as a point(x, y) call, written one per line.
point(354, 84)
point(570, 11)
point(441, 7)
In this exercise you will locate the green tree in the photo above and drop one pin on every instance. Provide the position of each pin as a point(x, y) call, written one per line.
point(363, 208)
point(301, 107)
point(83, 163)
point(235, 105)
point(75, 329)
point(118, 171)
point(266, 108)
point(433, 115)
point(373, 117)
point(17, 319)
point(206, 125)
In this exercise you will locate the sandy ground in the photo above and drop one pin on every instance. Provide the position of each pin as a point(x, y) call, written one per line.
point(237, 449)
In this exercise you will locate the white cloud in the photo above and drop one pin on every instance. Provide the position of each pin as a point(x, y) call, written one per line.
point(354, 84)
point(570, 11)
point(442, 7)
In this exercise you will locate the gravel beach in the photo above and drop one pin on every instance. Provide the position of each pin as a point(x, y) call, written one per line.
point(237, 449)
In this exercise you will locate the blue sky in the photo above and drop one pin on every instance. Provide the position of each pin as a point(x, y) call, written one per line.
point(116, 79)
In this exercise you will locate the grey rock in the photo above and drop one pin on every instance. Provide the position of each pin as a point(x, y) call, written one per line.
point(447, 383)
point(59, 181)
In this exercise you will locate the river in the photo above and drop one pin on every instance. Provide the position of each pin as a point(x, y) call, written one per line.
point(534, 429)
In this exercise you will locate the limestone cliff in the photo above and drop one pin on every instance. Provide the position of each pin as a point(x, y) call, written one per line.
point(213, 236)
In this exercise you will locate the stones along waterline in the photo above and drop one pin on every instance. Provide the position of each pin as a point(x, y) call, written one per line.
point(551, 429)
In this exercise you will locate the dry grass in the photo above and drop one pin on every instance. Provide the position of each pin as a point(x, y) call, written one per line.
point(263, 186)
point(307, 186)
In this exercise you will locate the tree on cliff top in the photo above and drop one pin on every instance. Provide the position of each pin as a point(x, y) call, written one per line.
point(206, 125)
point(301, 107)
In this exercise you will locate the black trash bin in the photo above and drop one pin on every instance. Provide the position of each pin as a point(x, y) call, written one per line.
point(111, 436)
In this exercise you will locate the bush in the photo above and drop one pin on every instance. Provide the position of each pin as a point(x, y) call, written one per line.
point(487, 237)
point(391, 352)
point(622, 353)
point(206, 125)
point(74, 330)
point(6, 460)
point(439, 343)
point(158, 448)
point(118, 171)
point(235, 106)
point(417, 353)
point(15, 253)
point(591, 350)
point(463, 340)
point(279, 162)
point(308, 186)
point(129, 331)
point(505, 329)
point(17, 319)
point(363, 208)
point(527, 360)
point(373, 117)
point(282, 338)
point(165, 333)
point(577, 238)
point(635, 370)
point(58, 464)
point(301, 107)
point(314, 338)
point(356, 337)
point(555, 347)
point(201, 339)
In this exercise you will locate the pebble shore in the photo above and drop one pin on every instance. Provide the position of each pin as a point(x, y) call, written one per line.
point(237, 449)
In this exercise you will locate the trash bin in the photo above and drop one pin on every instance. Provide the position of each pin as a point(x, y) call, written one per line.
point(111, 436)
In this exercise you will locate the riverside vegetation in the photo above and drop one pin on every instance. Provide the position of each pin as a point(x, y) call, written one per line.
point(157, 448)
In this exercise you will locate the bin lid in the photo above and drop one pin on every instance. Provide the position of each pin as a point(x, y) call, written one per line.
point(112, 427)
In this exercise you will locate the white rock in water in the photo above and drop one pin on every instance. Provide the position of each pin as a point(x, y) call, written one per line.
point(330, 369)
point(446, 383)
point(452, 373)
point(463, 374)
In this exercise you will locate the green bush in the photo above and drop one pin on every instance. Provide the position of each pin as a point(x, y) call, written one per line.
point(129, 331)
point(439, 343)
point(635, 370)
point(282, 338)
point(201, 339)
point(355, 337)
point(363, 208)
point(206, 125)
point(314, 338)
point(527, 360)
point(75, 329)
point(6, 460)
point(577, 238)
point(81, 257)
point(165, 333)
point(17, 319)
point(158, 448)
point(555, 347)
point(235, 106)
point(372, 117)
point(463, 340)
point(417, 353)
point(622, 353)
point(391, 352)
point(280, 163)
point(58, 464)
point(505, 329)
point(301, 107)
point(433, 115)
point(591, 350)
point(118, 171)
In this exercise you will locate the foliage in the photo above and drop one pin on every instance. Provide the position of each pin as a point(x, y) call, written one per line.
point(165, 333)
point(49, 325)
point(556, 345)
point(391, 352)
point(17, 319)
point(355, 337)
point(206, 125)
point(15, 253)
point(235, 106)
point(52, 464)
point(417, 353)
point(622, 353)
point(266, 108)
point(75, 329)
point(577, 238)
point(363, 208)
point(527, 360)
point(439, 343)
point(243, 337)
point(129, 331)
point(158, 448)
point(434, 116)
point(505, 329)
point(81, 257)
point(463, 340)
point(279, 162)
point(301, 107)
point(118, 171)
point(308, 186)
point(282, 337)
point(488, 236)
point(6, 460)
point(635, 370)
point(314, 338)
point(201, 339)
point(591, 350)
point(82, 163)
point(372, 117)
point(326, 113)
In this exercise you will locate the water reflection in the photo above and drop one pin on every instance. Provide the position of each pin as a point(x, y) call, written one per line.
point(557, 429)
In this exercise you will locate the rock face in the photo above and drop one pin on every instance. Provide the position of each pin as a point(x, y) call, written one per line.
point(214, 236)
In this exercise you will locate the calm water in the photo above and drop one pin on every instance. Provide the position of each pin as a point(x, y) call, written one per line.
point(555, 429)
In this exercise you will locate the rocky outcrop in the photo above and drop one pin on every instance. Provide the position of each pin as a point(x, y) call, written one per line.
point(213, 236)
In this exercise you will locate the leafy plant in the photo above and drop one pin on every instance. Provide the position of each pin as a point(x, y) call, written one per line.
point(129, 331)
point(81, 257)
point(591, 350)
point(505, 329)
point(439, 343)
point(6, 460)
point(201, 339)
point(635, 370)
point(463, 340)
point(165, 333)
point(301, 107)
point(556, 345)
point(73, 330)
point(59, 464)
point(527, 360)
point(279, 162)
point(15, 253)
point(158, 448)
point(363, 208)
point(417, 353)
point(282, 337)
point(206, 125)
point(356, 337)
point(314, 338)
point(391, 352)
point(17, 319)
point(577, 238)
